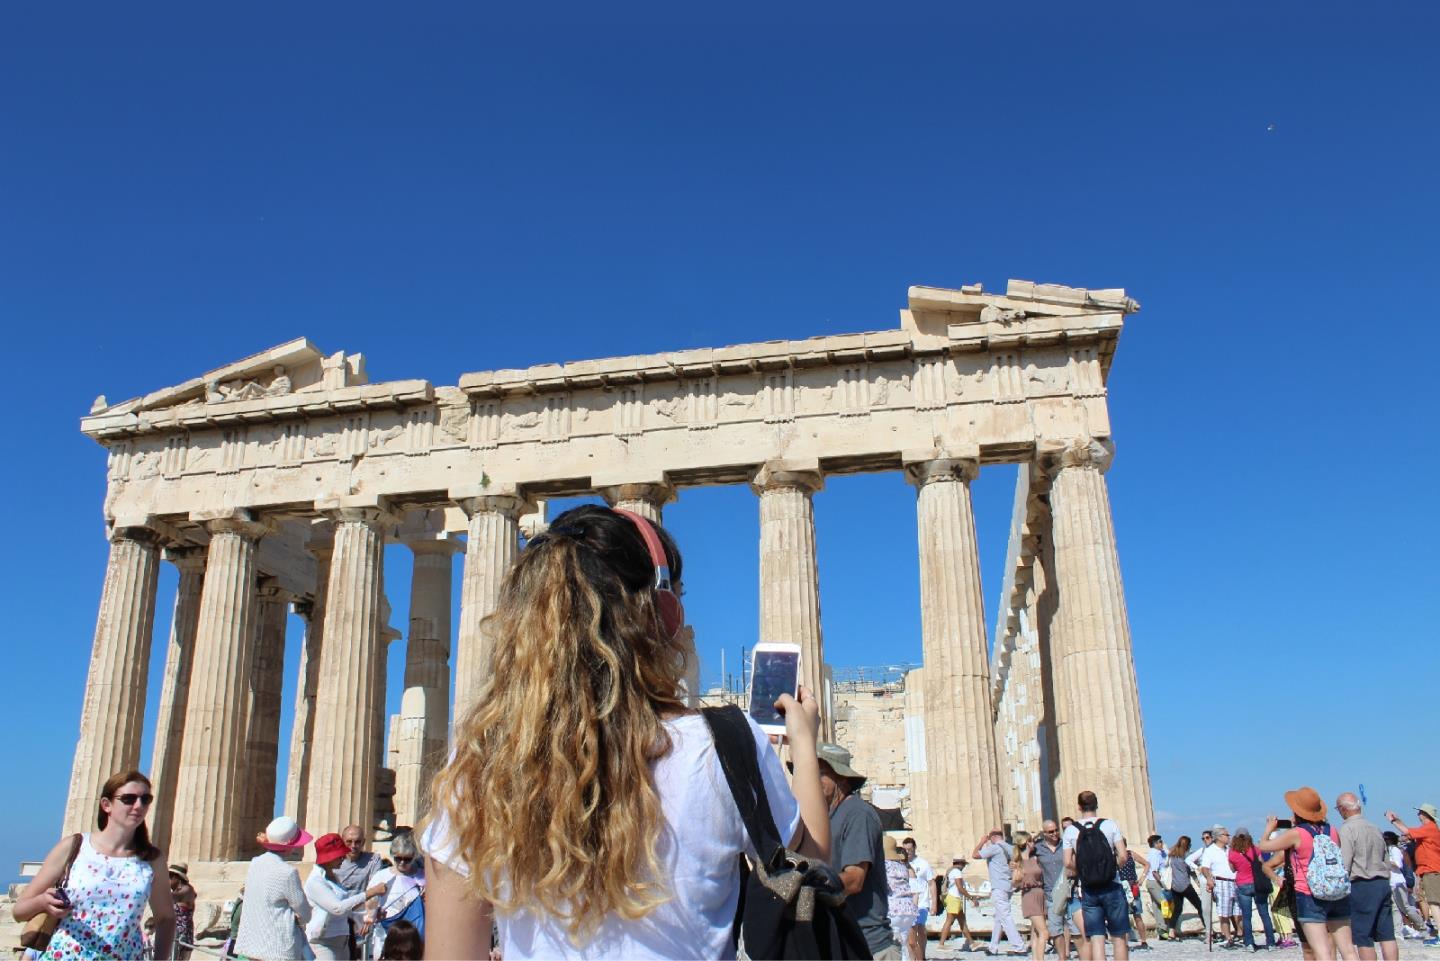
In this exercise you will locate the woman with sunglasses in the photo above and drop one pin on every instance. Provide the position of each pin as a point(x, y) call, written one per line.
point(404, 896)
point(110, 884)
point(584, 807)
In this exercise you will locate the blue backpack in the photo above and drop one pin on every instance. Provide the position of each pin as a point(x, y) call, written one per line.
point(1326, 874)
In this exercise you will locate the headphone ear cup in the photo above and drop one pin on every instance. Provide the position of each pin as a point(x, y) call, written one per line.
point(672, 612)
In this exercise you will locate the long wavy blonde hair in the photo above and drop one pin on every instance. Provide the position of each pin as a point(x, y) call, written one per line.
point(549, 794)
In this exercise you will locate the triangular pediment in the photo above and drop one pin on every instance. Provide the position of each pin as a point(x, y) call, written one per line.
point(295, 366)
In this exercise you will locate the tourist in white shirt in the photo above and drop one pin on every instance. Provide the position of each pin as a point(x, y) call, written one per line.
point(1155, 861)
point(404, 891)
point(274, 906)
point(924, 887)
point(585, 810)
point(330, 904)
point(1220, 882)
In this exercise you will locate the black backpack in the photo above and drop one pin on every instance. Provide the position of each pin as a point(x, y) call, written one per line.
point(1263, 887)
point(790, 907)
point(1095, 862)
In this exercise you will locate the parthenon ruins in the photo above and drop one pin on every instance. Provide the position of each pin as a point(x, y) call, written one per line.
point(275, 482)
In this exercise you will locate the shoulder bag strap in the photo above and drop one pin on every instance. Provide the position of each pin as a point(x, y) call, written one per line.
point(70, 861)
point(735, 747)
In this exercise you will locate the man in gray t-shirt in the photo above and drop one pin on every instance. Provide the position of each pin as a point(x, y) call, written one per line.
point(856, 851)
point(996, 852)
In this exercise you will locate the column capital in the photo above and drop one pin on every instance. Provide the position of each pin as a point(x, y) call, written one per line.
point(800, 474)
point(140, 534)
point(941, 464)
point(1053, 456)
point(370, 509)
point(187, 557)
point(247, 523)
point(505, 499)
point(658, 493)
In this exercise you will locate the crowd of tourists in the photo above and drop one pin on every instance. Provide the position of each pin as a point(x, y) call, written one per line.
point(586, 811)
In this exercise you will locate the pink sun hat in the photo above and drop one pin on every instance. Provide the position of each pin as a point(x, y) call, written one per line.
point(283, 834)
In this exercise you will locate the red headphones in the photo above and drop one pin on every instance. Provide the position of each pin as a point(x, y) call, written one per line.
point(672, 612)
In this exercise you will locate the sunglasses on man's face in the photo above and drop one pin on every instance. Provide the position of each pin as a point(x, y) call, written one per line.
point(129, 800)
point(403, 860)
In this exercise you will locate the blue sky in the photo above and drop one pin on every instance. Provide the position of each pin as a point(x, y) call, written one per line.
point(449, 188)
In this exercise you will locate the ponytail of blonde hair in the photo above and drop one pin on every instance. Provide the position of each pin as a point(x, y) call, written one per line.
point(549, 796)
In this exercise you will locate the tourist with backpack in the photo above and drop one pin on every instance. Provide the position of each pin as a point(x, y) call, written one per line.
point(585, 807)
point(1094, 849)
point(1317, 868)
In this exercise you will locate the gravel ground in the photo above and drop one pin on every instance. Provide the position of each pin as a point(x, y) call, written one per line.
point(1192, 948)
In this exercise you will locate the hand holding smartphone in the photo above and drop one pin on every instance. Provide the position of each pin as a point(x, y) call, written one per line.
point(774, 670)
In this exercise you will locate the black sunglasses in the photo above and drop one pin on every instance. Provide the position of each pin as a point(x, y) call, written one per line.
point(129, 799)
point(399, 860)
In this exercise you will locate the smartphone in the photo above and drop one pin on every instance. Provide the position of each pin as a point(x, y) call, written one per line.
point(774, 670)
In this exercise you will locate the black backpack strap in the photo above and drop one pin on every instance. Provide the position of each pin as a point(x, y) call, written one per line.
point(735, 748)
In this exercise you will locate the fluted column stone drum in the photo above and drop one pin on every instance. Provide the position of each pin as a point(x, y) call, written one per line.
point(343, 750)
point(789, 571)
point(210, 793)
point(964, 800)
point(1101, 739)
point(493, 543)
point(114, 708)
point(175, 689)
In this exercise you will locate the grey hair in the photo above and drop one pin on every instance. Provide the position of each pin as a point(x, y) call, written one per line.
point(403, 844)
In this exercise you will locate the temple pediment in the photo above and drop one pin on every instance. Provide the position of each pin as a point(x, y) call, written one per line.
point(294, 367)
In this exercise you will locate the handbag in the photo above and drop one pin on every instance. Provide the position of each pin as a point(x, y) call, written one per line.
point(39, 929)
point(790, 906)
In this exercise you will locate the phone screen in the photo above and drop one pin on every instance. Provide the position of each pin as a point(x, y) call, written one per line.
point(773, 673)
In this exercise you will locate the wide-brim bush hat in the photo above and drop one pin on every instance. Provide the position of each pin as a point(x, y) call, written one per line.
point(1306, 803)
point(839, 760)
point(283, 834)
point(1431, 810)
point(181, 870)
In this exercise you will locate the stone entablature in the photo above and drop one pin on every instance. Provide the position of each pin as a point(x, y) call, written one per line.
point(996, 371)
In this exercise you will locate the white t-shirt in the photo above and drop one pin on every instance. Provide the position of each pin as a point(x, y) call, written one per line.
point(1109, 828)
point(953, 876)
point(1397, 866)
point(699, 840)
point(1154, 863)
point(924, 874)
point(1217, 859)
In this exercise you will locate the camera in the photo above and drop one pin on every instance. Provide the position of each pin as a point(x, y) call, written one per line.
point(63, 896)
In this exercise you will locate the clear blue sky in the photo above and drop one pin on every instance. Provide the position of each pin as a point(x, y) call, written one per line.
point(451, 187)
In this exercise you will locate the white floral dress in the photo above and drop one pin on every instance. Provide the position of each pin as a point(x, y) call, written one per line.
point(109, 897)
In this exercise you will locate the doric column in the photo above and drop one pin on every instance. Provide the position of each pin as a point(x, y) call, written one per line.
point(493, 542)
point(427, 669)
point(114, 708)
point(343, 752)
point(789, 574)
point(210, 789)
point(1101, 739)
point(964, 800)
point(648, 499)
point(692, 666)
point(262, 732)
point(175, 689)
point(302, 731)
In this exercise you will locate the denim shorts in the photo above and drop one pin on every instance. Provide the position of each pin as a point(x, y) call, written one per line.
point(1310, 910)
point(1105, 911)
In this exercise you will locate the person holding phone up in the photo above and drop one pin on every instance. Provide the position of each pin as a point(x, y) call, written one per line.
point(584, 808)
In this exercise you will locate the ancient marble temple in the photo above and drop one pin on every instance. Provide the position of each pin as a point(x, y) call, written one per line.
point(274, 484)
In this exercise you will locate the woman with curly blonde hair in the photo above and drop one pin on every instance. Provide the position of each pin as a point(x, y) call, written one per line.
point(584, 810)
